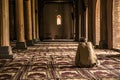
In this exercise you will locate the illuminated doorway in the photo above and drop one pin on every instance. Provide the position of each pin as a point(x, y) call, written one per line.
point(57, 24)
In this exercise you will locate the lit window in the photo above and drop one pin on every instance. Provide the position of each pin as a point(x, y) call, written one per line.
point(58, 19)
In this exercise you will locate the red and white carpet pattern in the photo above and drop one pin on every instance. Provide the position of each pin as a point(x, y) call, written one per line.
point(55, 61)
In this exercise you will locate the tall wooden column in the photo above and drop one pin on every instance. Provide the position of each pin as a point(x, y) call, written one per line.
point(12, 20)
point(40, 13)
point(21, 44)
point(109, 23)
point(5, 48)
point(33, 20)
point(77, 23)
point(86, 23)
point(90, 20)
point(36, 20)
point(103, 24)
point(28, 22)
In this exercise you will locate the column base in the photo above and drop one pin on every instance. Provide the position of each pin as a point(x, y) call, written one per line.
point(96, 46)
point(29, 42)
point(77, 39)
point(20, 45)
point(36, 40)
point(6, 52)
point(103, 44)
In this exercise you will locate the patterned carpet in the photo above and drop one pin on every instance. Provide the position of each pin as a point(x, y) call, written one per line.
point(55, 61)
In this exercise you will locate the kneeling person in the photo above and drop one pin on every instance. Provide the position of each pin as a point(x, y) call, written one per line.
point(85, 55)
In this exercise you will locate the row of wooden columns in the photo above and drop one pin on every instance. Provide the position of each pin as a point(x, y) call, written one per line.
point(26, 25)
point(85, 26)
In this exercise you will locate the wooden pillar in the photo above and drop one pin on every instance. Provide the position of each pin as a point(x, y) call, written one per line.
point(103, 24)
point(77, 23)
point(97, 23)
point(86, 23)
point(109, 23)
point(86, 19)
point(5, 48)
point(36, 20)
point(83, 18)
point(33, 20)
point(28, 22)
point(40, 19)
point(94, 21)
point(80, 18)
point(90, 18)
point(12, 20)
point(20, 44)
point(73, 23)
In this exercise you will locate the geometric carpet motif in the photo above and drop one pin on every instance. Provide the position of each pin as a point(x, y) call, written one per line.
point(55, 61)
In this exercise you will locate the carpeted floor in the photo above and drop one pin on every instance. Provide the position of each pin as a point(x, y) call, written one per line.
point(55, 61)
